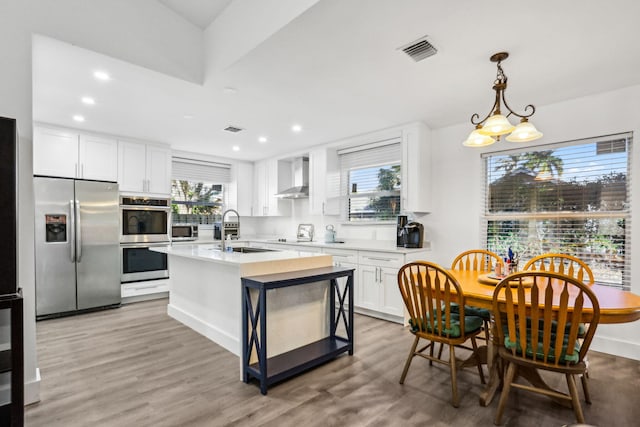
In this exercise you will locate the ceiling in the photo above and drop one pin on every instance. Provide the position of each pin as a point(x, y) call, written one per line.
point(336, 70)
point(200, 13)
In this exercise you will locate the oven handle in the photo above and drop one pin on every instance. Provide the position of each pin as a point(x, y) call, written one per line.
point(145, 208)
point(72, 229)
point(144, 245)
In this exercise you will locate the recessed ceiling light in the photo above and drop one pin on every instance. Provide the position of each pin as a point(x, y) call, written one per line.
point(262, 139)
point(235, 148)
point(188, 116)
point(102, 75)
point(296, 128)
point(88, 100)
point(78, 118)
point(230, 90)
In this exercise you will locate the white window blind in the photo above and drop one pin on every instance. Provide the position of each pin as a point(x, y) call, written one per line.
point(370, 179)
point(571, 197)
point(200, 171)
point(197, 190)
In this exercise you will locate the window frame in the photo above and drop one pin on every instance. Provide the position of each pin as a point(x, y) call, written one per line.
point(625, 213)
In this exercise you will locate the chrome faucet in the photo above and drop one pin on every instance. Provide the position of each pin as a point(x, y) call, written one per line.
point(223, 234)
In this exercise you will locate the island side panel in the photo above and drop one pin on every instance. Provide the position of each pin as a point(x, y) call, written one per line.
point(205, 296)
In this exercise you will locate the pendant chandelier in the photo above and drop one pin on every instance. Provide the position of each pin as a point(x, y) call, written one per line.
point(495, 124)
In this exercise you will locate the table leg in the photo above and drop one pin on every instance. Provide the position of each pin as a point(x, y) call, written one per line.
point(493, 362)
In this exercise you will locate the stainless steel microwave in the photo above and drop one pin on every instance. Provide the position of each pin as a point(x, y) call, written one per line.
point(184, 232)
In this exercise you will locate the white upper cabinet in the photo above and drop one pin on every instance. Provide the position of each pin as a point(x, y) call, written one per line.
point(144, 168)
point(270, 177)
point(158, 169)
point(240, 194)
point(324, 182)
point(98, 158)
point(70, 154)
point(416, 168)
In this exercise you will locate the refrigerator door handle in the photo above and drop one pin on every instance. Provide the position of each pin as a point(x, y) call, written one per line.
point(78, 231)
point(72, 228)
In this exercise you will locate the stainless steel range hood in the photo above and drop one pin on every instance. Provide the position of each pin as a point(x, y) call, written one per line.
point(300, 189)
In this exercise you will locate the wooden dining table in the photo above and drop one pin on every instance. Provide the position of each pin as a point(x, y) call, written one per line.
point(616, 306)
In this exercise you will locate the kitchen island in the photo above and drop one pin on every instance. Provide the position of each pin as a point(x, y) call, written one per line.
point(205, 295)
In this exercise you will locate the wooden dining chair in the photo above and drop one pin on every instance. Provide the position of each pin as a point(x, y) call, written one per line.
point(483, 261)
point(571, 266)
point(538, 319)
point(563, 264)
point(428, 292)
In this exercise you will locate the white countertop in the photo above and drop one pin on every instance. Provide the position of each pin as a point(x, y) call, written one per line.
point(209, 252)
point(362, 245)
point(351, 244)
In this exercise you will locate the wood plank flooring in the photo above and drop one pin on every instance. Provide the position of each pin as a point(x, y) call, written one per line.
point(135, 366)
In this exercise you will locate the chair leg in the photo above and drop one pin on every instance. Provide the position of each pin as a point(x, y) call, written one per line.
point(584, 378)
point(440, 351)
point(412, 353)
point(511, 373)
point(454, 382)
point(475, 351)
point(573, 390)
point(487, 336)
point(431, 352)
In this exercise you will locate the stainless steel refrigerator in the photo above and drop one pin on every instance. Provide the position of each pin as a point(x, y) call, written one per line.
point(77, 238)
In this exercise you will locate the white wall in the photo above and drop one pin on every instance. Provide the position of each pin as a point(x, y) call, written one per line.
point(455, 223)
point(141, 32)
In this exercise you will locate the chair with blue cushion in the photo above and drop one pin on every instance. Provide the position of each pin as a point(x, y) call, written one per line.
point(544, 321)
point(483, 261)
point(429, 292)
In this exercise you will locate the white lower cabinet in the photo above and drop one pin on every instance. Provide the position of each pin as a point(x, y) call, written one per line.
point(146, 290)
point(378, 272)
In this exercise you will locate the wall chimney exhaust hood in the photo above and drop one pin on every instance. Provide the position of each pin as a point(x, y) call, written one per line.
point(300, 189)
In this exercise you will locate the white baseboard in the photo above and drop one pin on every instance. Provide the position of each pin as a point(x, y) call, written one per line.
point(216, 335)
point(32, 390)
point(616, 347)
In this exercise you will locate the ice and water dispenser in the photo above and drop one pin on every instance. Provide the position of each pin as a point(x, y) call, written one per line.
point(55, 228)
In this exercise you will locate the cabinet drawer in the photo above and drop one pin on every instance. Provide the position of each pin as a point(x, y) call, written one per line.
point(342, 255)
point(381, 259)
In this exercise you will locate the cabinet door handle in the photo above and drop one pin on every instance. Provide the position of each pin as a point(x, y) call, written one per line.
point(82, 170)
point(75, 170)
point(323, 208)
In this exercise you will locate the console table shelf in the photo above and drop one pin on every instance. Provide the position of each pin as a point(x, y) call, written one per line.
point(254, 325)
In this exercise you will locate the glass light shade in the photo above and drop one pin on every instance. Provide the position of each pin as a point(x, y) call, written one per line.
point(496, 125)
point(524, 132)
point(476, 139)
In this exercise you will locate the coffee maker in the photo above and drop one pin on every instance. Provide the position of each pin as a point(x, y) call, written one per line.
point(402, 221)
point(413, 235)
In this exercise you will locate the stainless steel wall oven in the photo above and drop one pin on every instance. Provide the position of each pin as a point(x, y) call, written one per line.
point(144, 220)
point(139, 263)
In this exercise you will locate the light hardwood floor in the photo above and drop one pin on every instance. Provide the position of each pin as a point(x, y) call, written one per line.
point(135, 366)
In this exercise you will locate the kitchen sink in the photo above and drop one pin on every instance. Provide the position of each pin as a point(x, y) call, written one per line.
point(245, 250)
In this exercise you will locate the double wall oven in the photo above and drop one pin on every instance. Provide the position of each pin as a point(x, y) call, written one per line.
point(145, 223)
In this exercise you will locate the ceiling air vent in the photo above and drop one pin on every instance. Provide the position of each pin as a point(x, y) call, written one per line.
point(419, 49)
point(233, 129)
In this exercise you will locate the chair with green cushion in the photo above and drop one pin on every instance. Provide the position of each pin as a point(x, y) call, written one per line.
point(544, 321)
point(571, 266)
point(483, 261)
point(429, 292)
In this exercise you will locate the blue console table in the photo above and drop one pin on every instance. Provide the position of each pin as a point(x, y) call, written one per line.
point(254, 325)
